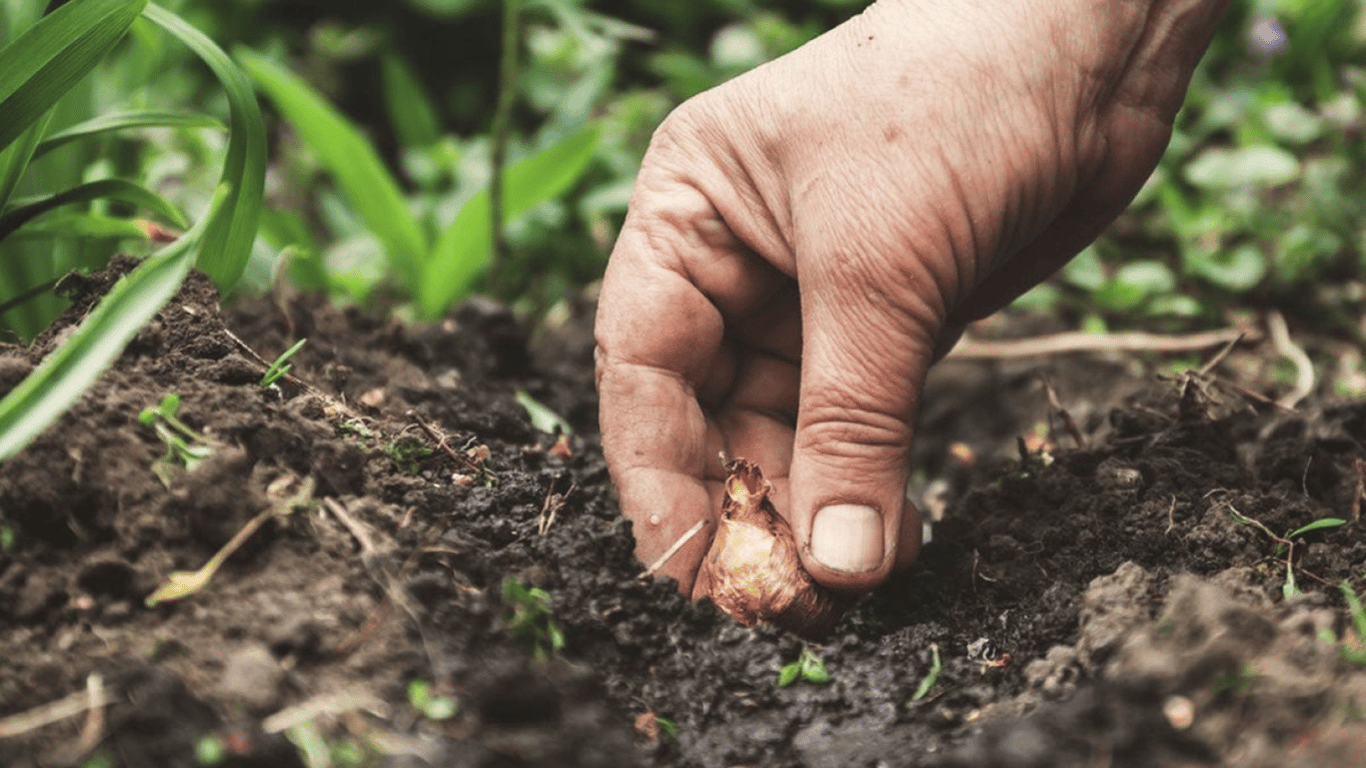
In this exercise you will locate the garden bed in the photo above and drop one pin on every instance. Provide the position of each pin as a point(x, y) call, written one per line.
point(1110, 606)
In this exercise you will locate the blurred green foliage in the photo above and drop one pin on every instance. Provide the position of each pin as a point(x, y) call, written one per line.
point(1260, 199)
point(382, 140)
point(49, 62)
point(387, 203)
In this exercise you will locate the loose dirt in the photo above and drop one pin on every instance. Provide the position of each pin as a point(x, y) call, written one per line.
point(1111, 605)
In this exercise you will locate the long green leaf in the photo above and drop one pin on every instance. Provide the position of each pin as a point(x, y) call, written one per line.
point(119, 121)
point(82, 225)
point(17, 16)
point(229, 236)
point(352, 161)
point(410, 109)
point(15, 158)
point(464, 248)
point(65, 374)
point(43, 63)
point(116, 189)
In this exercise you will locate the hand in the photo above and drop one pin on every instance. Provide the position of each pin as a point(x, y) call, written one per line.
point(805, 239)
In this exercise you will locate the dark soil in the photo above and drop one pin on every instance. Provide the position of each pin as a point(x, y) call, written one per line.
point(1090, 607)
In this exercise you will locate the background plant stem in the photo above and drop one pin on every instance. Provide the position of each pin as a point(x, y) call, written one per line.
point(502, 119)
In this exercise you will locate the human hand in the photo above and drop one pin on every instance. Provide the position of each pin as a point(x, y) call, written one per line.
point(803, 240)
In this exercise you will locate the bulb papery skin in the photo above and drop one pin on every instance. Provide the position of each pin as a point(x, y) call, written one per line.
point(753, 567)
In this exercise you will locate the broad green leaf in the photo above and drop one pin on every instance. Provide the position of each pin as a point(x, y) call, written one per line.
point(1042, 298)
point(1150, 276)
point(82, 225)
point(118, 121)
point(1116, 295)
point(1236, 269)
point(1085, 270)
point(116, 189)
point(444, 9)
point(464, 248)
point(1304, 250)
point(229, 236)
point(352, 161)
point(1174, 305)
point(65, 374)
point(1133, 284)
point(1223, 168)
point(1292, 123)
point(39, 66)
point(410, 110)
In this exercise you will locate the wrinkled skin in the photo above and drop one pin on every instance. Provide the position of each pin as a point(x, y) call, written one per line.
point(803, 240)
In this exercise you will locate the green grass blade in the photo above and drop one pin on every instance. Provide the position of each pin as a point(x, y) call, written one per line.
point(114, 189)
point(1317, 525)
point(120, 121)
point(15, 158)
point(464, 248)
point(63, 376)
point(38, 67)
point(352, 161)
point(87, 226)
point(410, 109)
point(229, 236)
point(17, 16)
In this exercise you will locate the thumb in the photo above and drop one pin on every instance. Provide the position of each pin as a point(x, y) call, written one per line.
point(865, 355)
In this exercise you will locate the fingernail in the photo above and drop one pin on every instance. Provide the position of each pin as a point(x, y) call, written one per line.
point(847, 537)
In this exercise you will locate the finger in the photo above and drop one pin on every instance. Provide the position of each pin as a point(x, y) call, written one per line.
point(659, 336)
point(868, 345)
point(758, 418)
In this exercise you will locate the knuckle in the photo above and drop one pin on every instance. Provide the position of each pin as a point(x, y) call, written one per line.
point(848, 431)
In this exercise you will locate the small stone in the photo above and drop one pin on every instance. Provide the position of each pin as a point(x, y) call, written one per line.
point(253, 678)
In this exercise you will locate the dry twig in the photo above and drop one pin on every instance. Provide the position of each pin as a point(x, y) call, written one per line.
point(669, 553)
point(1068, 422)
point(1287, 348)
point(551, 507)
point(372, 558)
point(55, 711)
point(1078, 341)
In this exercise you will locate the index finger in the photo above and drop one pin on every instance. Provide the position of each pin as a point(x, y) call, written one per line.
point(675, 274)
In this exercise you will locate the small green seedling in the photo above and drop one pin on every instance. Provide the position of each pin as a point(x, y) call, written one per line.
point(281, 367)
point(932, 677)
point(406, 453)
point(210, 750)
point(667, 728)
point(355, 427)
point(101, 759)
point(1285, 545)
point(808, 667)
point(1236, 681)
point(185, 448)
point(527, 616)
point(1355, 653)
point(7, 538)
point(430, 705)
point(542, 417)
